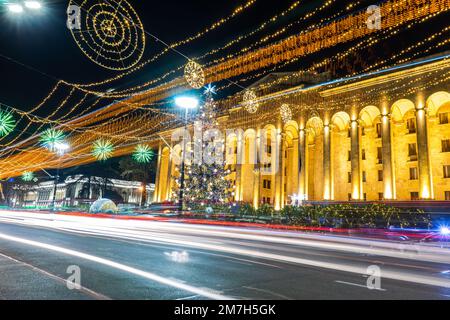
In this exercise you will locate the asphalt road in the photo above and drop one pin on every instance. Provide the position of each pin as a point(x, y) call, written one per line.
point(164, 260)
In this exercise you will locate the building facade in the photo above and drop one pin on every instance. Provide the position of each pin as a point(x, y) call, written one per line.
point(381, 136)
point(78, 190)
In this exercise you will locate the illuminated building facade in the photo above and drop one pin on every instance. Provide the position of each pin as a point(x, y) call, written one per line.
point(381, 136)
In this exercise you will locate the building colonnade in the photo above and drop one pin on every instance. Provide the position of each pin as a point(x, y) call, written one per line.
point(398, 150)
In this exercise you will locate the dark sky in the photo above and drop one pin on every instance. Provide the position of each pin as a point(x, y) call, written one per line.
point(42, 41)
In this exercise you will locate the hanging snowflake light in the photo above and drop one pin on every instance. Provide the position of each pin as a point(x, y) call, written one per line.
point(7, 123)
point(27, 176)
point(286, 113)
point(102, 149)
point(250, 101)
point(143, 153)
point(194, 75)
point(51, 138)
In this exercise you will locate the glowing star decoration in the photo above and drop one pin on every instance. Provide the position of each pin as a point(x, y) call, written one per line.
point(109, 33)
point(27, 176)
point(286, 113)
point(194, 75)
point(50, 139)
point(250, 101)
point(143, 154)
point(7, 123)
point(210, 89)
point(102, 149)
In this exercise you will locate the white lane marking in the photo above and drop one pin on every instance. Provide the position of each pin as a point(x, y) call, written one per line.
point(85, 290)
point(119, 266)
point(188, 298)
point(358, 285)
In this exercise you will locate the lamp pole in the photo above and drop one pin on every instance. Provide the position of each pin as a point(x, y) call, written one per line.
point(182, 172)
point(186, 103)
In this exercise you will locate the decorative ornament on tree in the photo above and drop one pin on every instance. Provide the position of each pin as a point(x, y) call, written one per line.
point(110, 33)
point(143, 153)
point(286, 113)
point(250, 101)
point(194, 75)
point(102, 149)
point(28, 176)
point(7, 123)
point(50, 138)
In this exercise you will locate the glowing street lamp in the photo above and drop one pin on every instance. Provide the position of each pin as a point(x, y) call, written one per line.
point(34, 5)
point(186, 103)
point(14, 7)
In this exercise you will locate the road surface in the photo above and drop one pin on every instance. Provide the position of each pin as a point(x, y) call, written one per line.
point(164, 260)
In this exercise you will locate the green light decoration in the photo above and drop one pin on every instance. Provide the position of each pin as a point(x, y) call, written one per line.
point(50, 138)
point(102, 149)
point(7, 123)
point(143, 153)
point(27, 176)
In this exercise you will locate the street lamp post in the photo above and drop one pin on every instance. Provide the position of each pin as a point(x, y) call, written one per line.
point(60, 148)
point(185, 103)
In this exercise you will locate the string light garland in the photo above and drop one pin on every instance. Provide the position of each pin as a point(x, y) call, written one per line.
point(111, 33)
point(102, 149)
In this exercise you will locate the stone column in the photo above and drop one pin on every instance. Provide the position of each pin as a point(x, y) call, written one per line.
point(279, 172)
point(355, 160)
point(327, 178)
point(388, 168)
point(257, 171)
point(302, 165)
point(166, 193)
point(240, 158)
point(158, 172)
point(425, 184)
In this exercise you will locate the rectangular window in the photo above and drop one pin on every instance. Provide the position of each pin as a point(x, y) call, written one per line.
point(364, 176)
point(264, 184)
point(380, 196)
point(365, 196)
point(380, 175)
point(268, 200)
point(363, 132)
point(269, 184)
point(447, 195)
point(363, 154)
point(380, 155)
point(445, 145)
point(414, 196)
point(379, 130)
point(443, 118)
point(412, 151)
point(447, 171)
point(413, 175)
point(349, 155)
point(349, 177)
point(411, 125)
point(349, 197)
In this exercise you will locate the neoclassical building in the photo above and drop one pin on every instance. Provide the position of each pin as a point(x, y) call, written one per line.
point(376, 136)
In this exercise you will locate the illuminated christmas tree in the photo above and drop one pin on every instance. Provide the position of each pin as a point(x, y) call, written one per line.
point(205, 182)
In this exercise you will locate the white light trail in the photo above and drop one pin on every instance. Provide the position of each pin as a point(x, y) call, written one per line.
point(196, 236)
point(119, 266)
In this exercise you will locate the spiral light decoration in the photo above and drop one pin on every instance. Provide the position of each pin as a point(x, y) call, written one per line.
point(111, 33)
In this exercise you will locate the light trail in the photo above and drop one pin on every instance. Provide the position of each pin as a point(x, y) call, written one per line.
point(195, 237)
point(116, 265)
